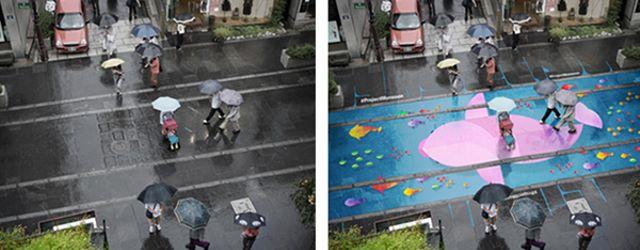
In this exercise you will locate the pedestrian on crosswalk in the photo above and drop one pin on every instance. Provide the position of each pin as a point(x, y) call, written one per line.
point(532, 238)
point(490, 66)
point(215, 107)
point(584, 237)
point(233, 117)
point(118, 79)
point(155, 67)
point(568, 117)
point(153, 213)
point(196, 238)
point(490, 215)
point(551, 107)
point(249, 236)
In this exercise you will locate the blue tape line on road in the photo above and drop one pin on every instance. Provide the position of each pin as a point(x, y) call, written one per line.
point(546, 202)
point(473, 224)
point(450, 211)
point(610, 68)
point(595, 184)
point(526, 63)
point(563, 193)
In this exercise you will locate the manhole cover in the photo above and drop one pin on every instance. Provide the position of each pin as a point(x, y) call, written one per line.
point(119, 147)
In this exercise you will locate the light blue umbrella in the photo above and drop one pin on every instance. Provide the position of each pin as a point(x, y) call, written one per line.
point(210, 87)
point(502, 103)
point(192, 213)
point(165, 103)
point(231, 97)
point(145, 30)
point(481, 31)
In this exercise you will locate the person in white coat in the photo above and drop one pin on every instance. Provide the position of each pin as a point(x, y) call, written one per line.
point(215, 107)
point(444, 43)
point(153, 213)
point(108, 41)
point(233, 117)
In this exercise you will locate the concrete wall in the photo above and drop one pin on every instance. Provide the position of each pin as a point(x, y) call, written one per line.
point(18, 22)
point(353, 24)
point(631, 18)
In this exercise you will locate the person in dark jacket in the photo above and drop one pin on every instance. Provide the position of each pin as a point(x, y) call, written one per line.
point(133, 6)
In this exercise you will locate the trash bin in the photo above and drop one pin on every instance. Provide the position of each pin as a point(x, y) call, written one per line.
point(4, 99)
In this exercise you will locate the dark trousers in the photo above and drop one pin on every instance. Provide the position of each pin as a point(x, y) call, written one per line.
point(548, 112)
point(468, 13)
point(531, 242)
point(213, 111)
point(583, 242)
point(179, 40)
point(516, 40)
point(247, 242)
point(132, 13)
point(432, 8)
point(196, 242)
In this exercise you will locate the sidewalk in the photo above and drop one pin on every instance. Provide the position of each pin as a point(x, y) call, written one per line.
point(463, 227)
point(419, 77)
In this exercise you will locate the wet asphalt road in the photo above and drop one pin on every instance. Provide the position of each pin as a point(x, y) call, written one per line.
point(71, 146)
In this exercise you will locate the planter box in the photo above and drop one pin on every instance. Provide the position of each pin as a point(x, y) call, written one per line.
point(626, 63)
point(289, 62)
point(336, 101)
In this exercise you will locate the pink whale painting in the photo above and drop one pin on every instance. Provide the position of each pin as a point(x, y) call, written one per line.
point(477, 139)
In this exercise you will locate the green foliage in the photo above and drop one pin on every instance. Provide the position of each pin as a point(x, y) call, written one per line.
point(632, 52)
point(410, 239)
point(77, 238)
point(302, 52)
point(613, 16)
point(381, 22)
point(333, 85)
point(634, 198)
point(278, 13)
point(224, 32)
point(45, 21)
point(559, 32)
point(305, 200)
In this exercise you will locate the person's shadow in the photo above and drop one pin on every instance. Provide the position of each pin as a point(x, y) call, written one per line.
point(492, 242)
point(157, 242)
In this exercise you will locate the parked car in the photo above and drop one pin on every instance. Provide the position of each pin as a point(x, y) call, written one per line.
point(70, 27)
point(407, 34)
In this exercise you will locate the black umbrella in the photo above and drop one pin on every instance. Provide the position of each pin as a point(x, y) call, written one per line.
point(528, 213)
point(145, 30)
point(157, 193)
point(520, 18)
point(492, 193)
point(481, 31)
point(249, 219)
point(487, 51)
point(442, 19)
point(149, 50)
point(105, 20)
point(478, 46)
point(192, 213)
point(585, 219)
point(184, 18)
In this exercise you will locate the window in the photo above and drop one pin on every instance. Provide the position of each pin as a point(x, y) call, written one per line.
point(69, 21)
point(406, 21)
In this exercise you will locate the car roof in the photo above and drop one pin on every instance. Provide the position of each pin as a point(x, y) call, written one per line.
point(69, 6)
point(404, 6)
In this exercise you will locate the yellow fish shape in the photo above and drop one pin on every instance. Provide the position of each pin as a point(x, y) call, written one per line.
point(411, 191)
point(358, 131)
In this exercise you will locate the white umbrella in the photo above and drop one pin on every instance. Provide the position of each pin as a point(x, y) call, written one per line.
point(166, 103)
point(502, 103)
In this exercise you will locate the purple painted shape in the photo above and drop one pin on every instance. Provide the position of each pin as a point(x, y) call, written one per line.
point(587, 116)
point(479, 138)
point(352, 202)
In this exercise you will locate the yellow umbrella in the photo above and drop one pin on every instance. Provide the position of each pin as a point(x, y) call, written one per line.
point(446, 63)
point(112, 63)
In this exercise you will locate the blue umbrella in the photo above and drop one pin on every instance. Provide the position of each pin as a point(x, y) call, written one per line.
point(148, 50)
point(501, 103)
point(145, 30)
point(528, 213)
point(192, 213)
point(165, 103)
point(231, 97)
point(210, 87)
point(481, 31)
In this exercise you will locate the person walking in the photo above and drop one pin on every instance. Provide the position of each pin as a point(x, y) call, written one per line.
point(532, 238)
point(568, 117)
point(108, 41)
point(432, 8)
point(249, 236)
point(584, 237)
point(515, 35)
point(196, 239)
point(153, 213)
point(490, 66)
point(95, 5)
point(133, 6)
point(234, 118)
point(444, 43)
point(468, 9)
point(454, 79)
point(154, 64)
point(489, 214)
point(215, 107)
point(551, 107)
point(118, 78)
point(180, 30)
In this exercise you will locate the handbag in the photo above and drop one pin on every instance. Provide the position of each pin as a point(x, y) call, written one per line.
point(149, 214)
point(484, 214)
